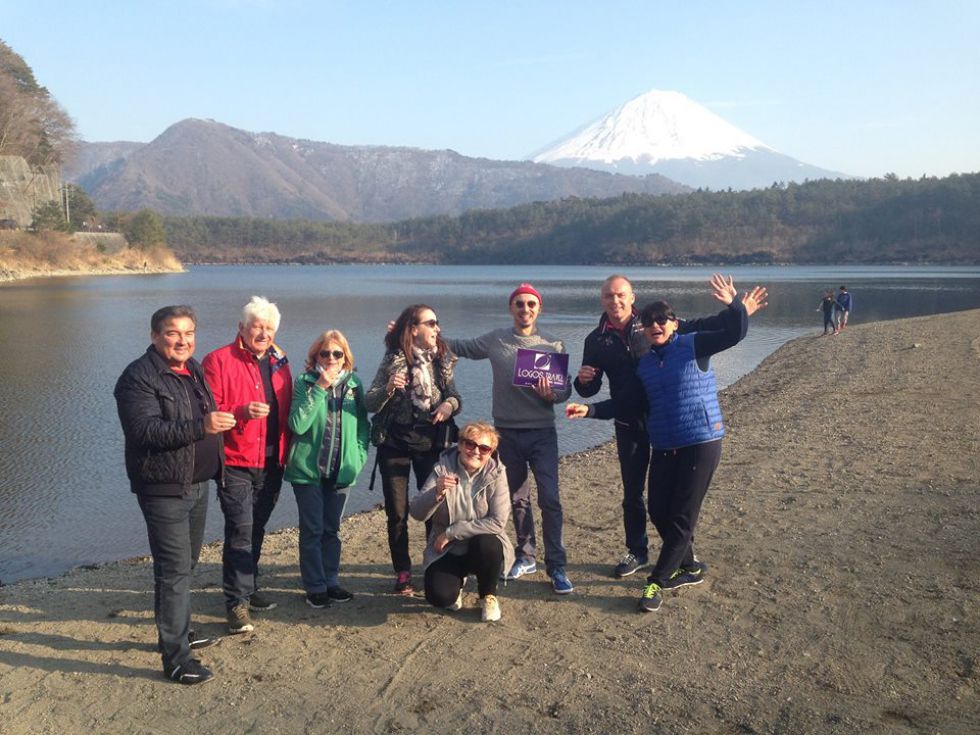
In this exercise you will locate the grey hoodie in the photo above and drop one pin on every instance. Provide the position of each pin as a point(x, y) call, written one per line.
point(491, 502)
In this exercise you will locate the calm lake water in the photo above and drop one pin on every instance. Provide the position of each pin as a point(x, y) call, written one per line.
point(64, 498)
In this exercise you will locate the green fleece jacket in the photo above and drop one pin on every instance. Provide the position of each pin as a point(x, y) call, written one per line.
point(308, 421)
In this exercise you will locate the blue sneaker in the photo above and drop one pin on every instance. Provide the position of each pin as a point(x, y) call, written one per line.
point(560, 582)
point(686, 576)
point(520, 568)
point(652, 598)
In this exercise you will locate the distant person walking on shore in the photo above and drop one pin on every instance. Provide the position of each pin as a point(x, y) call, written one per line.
point(844, 306)
point(173, 449)
point(250, 379)
point(828, 305)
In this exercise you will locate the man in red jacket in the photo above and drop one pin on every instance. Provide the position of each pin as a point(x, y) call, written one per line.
point(250, 379)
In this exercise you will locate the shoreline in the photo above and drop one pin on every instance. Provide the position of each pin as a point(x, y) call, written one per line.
point(8, 275)
point(840, 533)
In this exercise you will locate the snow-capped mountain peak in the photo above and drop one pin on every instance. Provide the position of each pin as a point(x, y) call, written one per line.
point(656, 126)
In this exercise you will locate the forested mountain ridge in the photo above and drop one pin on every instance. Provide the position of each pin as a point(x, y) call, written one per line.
point(202, 167)
point(887, 220)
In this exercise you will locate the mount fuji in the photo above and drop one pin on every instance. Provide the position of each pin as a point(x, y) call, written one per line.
point(667, 133)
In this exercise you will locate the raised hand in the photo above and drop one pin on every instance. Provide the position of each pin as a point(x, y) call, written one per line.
point(723, 289)
point(756, 299)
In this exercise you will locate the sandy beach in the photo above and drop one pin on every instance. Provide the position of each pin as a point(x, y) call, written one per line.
point(842, 534)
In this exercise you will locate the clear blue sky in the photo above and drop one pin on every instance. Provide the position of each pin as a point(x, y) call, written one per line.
point(863, 87)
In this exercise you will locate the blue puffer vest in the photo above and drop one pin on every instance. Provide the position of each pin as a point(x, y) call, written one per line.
point(682, 399)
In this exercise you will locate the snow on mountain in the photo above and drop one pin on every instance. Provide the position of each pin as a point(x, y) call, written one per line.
point(668, 133)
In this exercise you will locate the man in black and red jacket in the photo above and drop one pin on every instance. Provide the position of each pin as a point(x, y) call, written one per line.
point(173, 449)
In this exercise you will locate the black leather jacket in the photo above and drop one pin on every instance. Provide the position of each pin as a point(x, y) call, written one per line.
point(159, 425)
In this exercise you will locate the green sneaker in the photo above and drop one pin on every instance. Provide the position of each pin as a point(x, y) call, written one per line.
point(652, 598)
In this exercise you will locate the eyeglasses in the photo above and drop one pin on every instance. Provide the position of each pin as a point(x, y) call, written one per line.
point(430, 323)
point(484, 449)
point(335, 354)
point(660, 319)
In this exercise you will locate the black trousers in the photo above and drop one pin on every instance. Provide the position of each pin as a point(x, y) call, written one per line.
point(484, 557)
point(679, 480)
point(633, 448)
point(395, 466)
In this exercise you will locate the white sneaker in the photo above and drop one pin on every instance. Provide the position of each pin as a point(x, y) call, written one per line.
point(491, 609)
point(458, 605)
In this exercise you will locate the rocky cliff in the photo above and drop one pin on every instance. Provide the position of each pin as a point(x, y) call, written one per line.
point(23, 188)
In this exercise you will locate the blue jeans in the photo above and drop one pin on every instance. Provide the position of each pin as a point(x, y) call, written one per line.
point(537, 449)
point(320, 509)
point(247, 501)
point(633, 447)
point(175, 529)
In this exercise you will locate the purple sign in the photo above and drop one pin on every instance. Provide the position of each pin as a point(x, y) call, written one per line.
point(531, 365)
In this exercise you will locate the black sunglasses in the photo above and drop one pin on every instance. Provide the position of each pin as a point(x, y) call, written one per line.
point(483, 449)
point(430, 323)
point(660, 319)
point(335, 354)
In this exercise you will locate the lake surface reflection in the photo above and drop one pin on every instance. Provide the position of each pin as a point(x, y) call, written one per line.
point(64, 498)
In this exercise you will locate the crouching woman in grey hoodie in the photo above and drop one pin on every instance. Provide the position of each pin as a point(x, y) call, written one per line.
point(467, 499)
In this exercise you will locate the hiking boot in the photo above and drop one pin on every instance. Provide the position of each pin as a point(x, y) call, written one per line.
point(318, 600)
point(189, 672)
point(560, 582)
point(520, 568)
point(260, 602)
point(403, 583)
point(491, 609)
point(458, 604)
point(686, 576)
point(339, 594)
point(652, 598)
point(628, 565)
point(238, 619)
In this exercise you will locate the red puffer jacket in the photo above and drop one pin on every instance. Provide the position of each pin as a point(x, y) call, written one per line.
point(232, 373)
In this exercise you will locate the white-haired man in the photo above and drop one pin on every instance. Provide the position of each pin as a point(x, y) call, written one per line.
point(250, 378)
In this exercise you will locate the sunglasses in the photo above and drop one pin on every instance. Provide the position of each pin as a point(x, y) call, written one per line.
point(526, 304)
point(660, 319)
point(335, 354)
point(430, 323)
point(484, 449)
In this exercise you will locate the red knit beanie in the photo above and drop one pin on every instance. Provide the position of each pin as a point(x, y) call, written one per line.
point(525, 288)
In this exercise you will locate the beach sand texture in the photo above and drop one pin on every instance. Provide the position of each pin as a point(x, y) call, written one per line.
point(842, 532)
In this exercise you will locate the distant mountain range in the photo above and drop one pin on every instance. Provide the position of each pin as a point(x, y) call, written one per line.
point(666, 133)
point(202, 167)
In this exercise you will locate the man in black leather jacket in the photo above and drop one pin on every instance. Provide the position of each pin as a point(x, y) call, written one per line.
point(173, 449)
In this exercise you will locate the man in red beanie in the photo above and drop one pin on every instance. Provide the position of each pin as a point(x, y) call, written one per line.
point(525, 419)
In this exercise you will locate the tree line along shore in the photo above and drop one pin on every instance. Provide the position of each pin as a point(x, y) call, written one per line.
point(840, 534)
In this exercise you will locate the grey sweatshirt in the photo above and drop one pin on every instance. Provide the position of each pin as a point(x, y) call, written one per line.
point(513, 407)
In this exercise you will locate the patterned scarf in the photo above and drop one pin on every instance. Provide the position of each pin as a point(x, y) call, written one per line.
point(421, 390)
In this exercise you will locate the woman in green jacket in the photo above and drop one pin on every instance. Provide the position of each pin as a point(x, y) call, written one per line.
point(329, 447)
